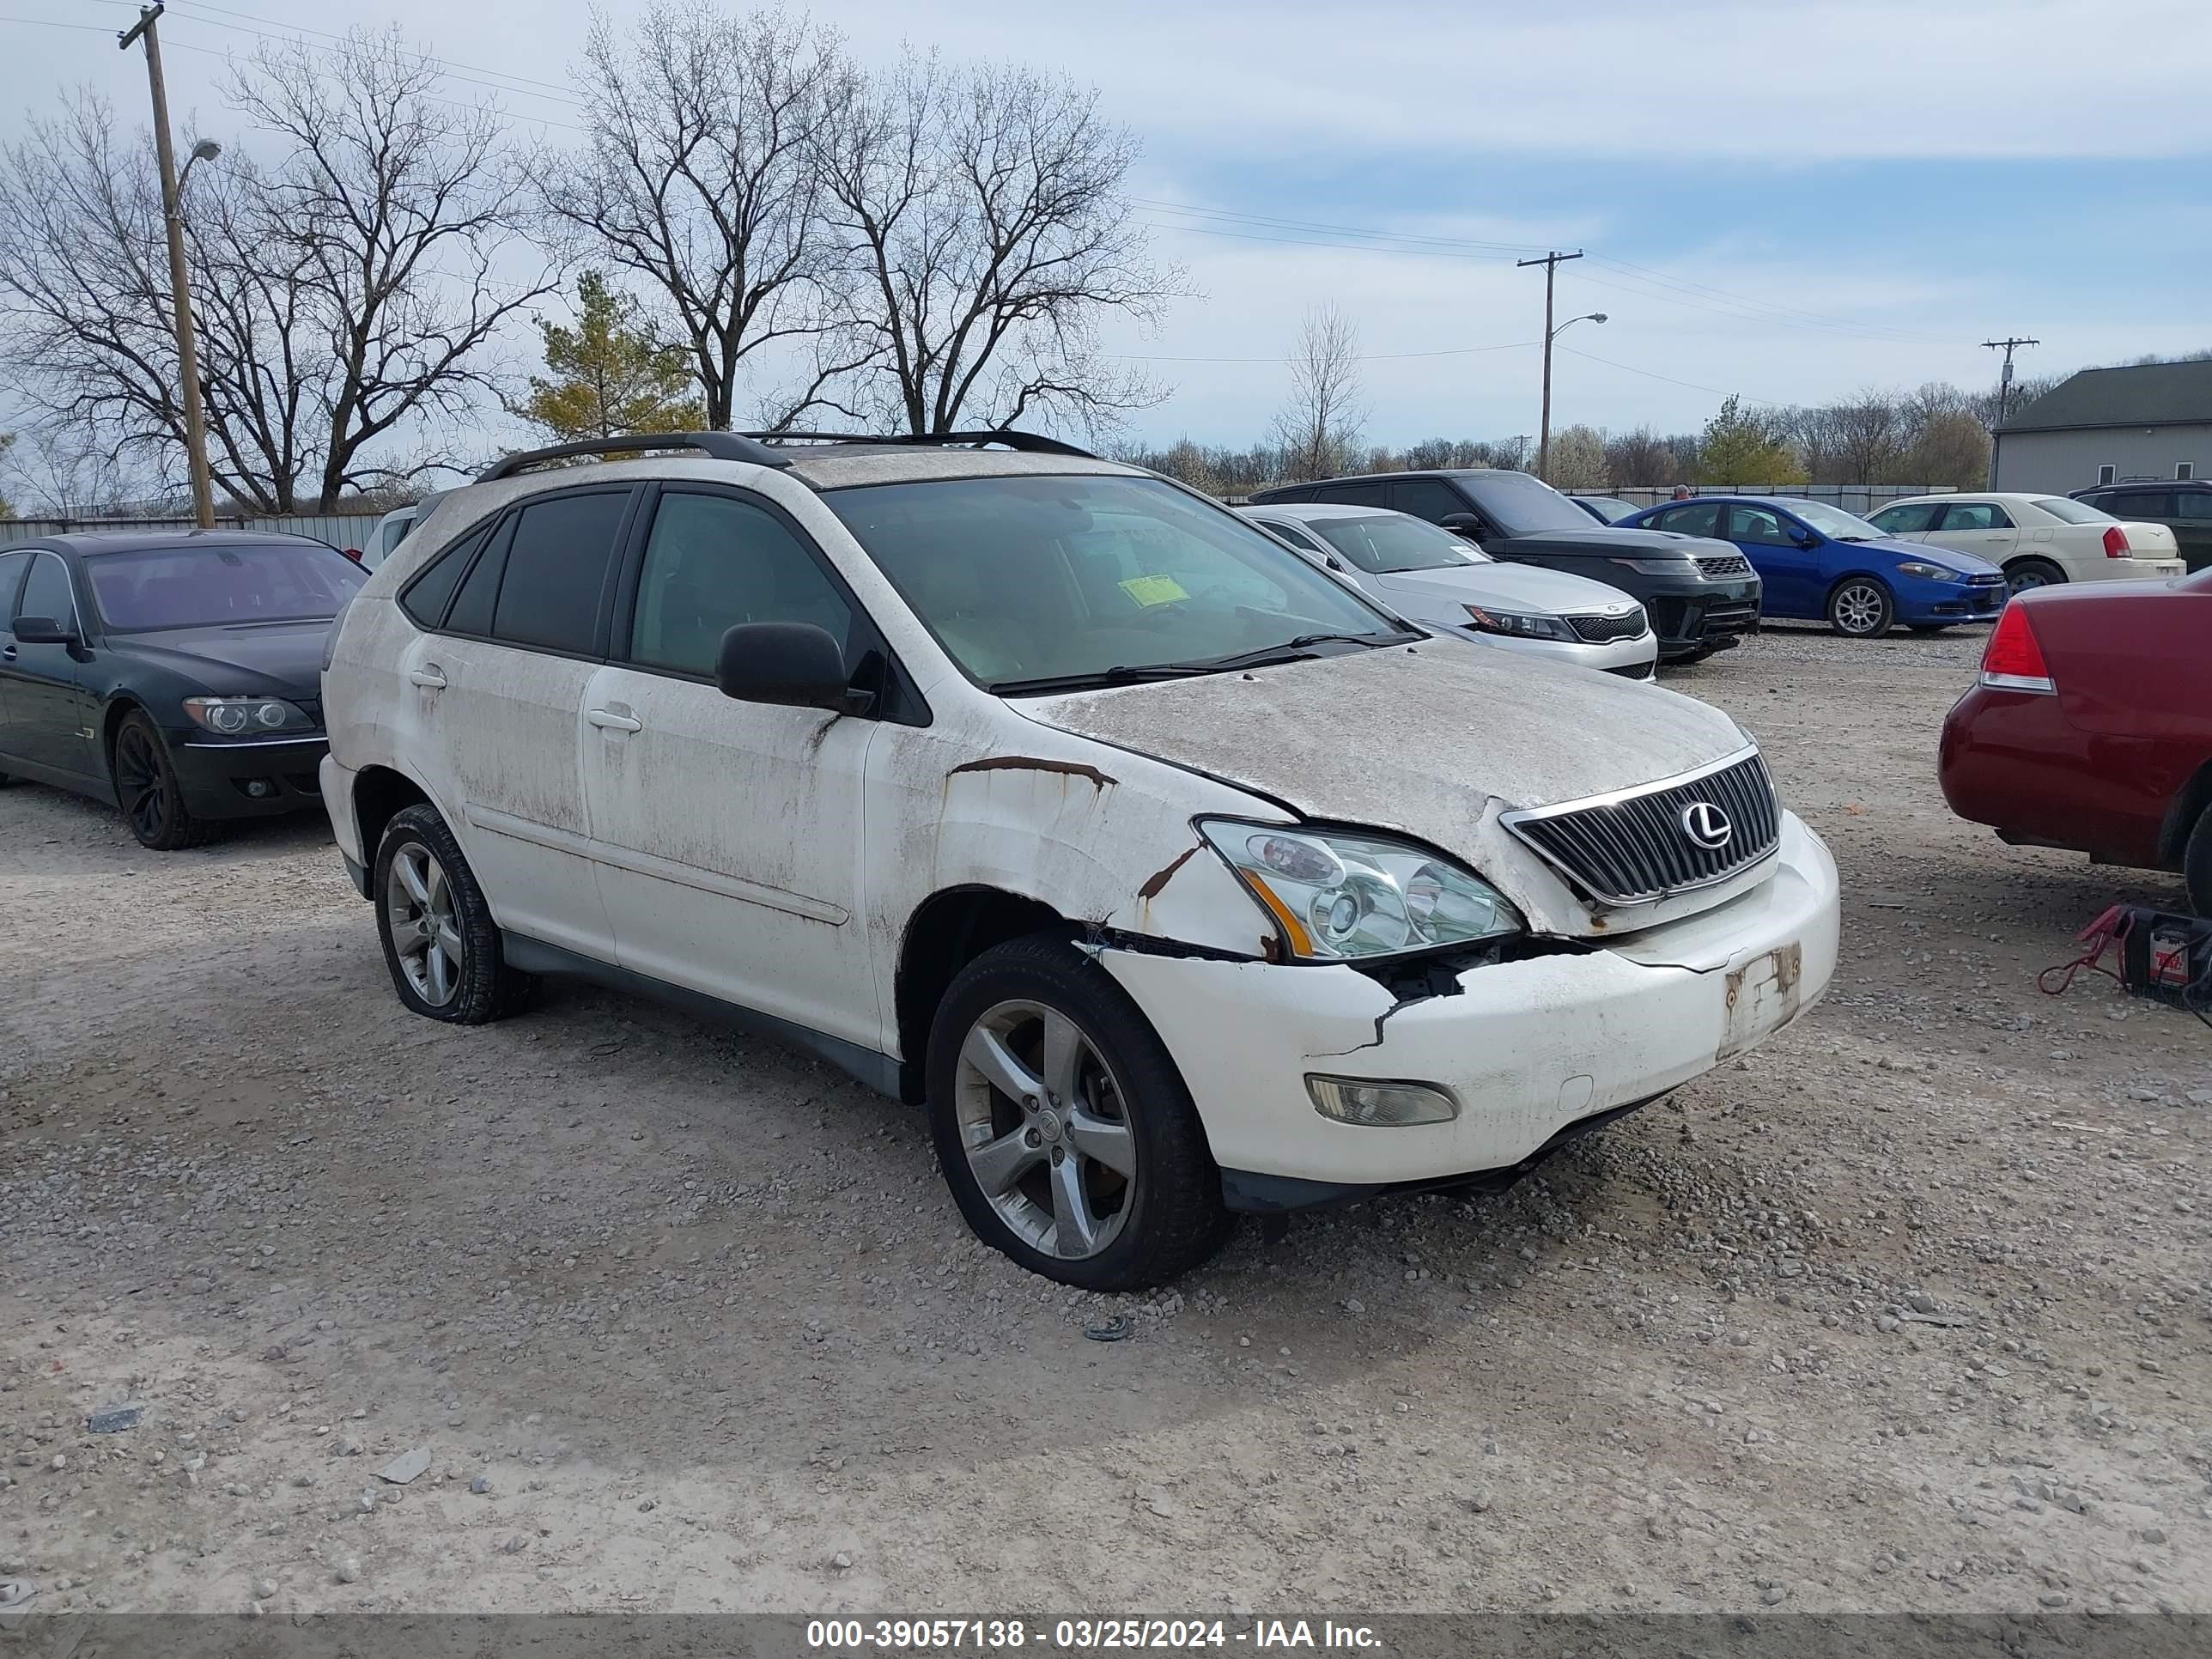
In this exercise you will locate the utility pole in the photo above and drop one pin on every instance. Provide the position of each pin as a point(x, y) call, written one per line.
point(188, 355)
point(2004, 382)
point(1550, 264)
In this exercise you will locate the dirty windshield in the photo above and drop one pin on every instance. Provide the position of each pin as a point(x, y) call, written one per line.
point(1386, 544)
point(1052, 583)
point(200, 585)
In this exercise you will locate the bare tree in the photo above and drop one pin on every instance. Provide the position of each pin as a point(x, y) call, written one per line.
point(1578, 460)
point(1319, 424)
point(698, 175)
point(398, 215)
point(83, 291)
point(982, 233)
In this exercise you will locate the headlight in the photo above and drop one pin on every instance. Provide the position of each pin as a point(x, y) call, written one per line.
point(1338, 897)
point(1928, 573)
point(248, 717)
point(1518, 624)
point(1662, 566)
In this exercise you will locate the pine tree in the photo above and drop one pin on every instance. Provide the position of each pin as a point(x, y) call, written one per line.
point(611, 375)
point(1739, 449)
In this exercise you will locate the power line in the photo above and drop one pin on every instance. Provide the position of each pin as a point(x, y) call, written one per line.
point(256, 17)
point(1303, 241)
point(1771, 403)
point(1369, 357)
point(1720, 300)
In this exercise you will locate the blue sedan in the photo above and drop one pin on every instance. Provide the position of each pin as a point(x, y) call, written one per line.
point(1820, 563)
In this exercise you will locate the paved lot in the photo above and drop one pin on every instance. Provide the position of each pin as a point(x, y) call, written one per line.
point(1908, 1309)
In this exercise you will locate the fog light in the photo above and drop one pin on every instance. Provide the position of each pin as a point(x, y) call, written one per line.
point(1375, 1105)
point(259, 788)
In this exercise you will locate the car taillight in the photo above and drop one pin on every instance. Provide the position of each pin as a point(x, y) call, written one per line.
point(2012, 660)
point(2116, 542)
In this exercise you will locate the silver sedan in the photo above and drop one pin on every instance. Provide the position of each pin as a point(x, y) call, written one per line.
point(1432, 577)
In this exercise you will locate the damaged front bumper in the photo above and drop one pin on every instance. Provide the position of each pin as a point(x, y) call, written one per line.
point(1527, 1048)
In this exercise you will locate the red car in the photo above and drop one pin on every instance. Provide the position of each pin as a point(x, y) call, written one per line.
point(2090, 727)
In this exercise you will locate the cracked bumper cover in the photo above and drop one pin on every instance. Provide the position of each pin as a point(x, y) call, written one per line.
point(1527, 1047)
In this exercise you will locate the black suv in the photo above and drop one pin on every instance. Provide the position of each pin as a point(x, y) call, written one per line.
point(2182, 505)
point(1703, 594)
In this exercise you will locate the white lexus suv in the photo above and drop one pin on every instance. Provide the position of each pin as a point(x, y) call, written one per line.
point(1176, 878)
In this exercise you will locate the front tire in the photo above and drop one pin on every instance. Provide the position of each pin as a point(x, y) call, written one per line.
point(1065, 1131)
point(439, 939)
point(1861, 608)
point(147, 792)
point(2197, 866)
point(2023, 574)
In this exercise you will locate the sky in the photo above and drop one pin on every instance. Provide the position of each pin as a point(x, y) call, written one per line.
point(1783, 199)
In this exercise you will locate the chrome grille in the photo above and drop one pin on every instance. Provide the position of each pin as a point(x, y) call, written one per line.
point(1601, 630)
point(1731, 564)
point(1634, 848)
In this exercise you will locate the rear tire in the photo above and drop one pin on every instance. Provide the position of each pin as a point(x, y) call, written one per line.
point(1064, 1128)
point(2197, 866)
point(2021, 574)
point(1861, 608)
point(439, 939)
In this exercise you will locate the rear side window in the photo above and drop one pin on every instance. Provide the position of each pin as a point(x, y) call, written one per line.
point(425, 598)
point(1700, 518)
point(557, 571)
point(2140, 504)
point(1350, 494)
point(1976, 515)
point(472, 605)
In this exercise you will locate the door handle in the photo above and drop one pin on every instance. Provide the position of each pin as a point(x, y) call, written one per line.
point(608, 720)
point(430, 677)
point(8, 655)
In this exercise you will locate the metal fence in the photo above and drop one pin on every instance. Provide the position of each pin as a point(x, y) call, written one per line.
point(1851, 498)
point(340, 530)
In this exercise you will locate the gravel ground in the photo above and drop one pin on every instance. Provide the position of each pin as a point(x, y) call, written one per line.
point(1906, 1310)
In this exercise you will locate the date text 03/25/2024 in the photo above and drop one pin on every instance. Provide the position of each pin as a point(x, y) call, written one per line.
point(1081, 1635)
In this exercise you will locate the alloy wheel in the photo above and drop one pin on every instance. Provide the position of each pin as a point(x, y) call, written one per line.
point(2028, 578)
point(1858, 608)
point(426, 933)
point(140, 784)
point(1044, 1121)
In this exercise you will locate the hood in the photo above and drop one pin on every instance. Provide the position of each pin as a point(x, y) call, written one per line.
point(1433, 740)
point(282, 660)
point(1967, 564)
point(1438, 594)
point(1616, 541)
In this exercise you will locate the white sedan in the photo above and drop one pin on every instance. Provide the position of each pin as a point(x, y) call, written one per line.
point(1435, 578)
point(2036, 540)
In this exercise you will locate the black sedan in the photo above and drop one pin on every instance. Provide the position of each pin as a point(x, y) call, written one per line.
point(177, 675)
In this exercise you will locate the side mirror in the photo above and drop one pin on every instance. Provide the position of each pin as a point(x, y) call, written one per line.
point(1803, 536)
point(791, 664)
point(42, 630)
point(1462, 524)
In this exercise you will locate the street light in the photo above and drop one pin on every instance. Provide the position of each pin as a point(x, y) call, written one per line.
point(172, 214)
point(1544, 443)
point(206, 150)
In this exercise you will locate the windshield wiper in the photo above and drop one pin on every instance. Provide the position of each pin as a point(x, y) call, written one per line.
point(1299, 648)
point(1098, 677)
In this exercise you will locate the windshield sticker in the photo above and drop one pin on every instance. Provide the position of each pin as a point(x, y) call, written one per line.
point(1150, 591)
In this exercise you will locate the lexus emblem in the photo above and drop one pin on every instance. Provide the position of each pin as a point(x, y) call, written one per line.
point(1707, 825)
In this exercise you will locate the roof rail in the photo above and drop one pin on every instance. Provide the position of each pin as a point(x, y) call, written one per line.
point(1030, 442)
point(719, 446)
